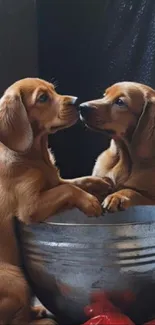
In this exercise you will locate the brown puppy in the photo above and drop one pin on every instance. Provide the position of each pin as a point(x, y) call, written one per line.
point(127, 113)
point(30, 185)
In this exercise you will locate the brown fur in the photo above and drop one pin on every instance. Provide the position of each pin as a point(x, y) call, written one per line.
point(30, 185)
point(130, 160)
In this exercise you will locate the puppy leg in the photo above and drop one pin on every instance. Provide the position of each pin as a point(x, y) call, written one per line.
point(124, 199)
point(58, 199)
point(14, 296)
point(99, 187)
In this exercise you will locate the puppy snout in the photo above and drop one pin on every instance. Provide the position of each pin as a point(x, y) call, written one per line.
point(75, 102)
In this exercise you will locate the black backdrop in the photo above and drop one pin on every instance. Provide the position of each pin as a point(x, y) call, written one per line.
point(88, 45)
point(18, 41)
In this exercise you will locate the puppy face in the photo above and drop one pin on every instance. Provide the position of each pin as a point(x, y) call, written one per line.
point(31, 107)
point(118, 111)
point(44, 106)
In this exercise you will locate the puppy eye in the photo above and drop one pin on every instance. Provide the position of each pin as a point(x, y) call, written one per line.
point(119, 102)
point(43, 98)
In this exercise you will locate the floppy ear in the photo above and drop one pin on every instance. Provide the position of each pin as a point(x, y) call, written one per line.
point(15, 128)
point(143, 141)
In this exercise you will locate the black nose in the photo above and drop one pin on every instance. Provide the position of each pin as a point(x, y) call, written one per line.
point(84, 109)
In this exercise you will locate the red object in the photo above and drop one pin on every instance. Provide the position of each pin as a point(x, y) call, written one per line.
point(100, 304)
point(99, 308)
point(104, 312)
point(110, 319)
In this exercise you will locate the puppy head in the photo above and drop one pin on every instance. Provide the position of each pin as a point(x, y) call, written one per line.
point(127, 110)
point(30, 107)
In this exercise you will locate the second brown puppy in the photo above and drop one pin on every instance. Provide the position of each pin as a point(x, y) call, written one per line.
point(127, 113)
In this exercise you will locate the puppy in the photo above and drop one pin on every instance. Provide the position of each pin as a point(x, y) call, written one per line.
point(30, 185)
point(127, 113)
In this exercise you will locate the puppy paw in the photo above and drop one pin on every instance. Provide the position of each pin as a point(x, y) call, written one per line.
point(90, 205)
point(38, 312)
point(115, 202)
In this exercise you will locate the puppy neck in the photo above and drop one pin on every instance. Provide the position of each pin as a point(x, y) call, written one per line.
point(143, 149)
point(123, 167)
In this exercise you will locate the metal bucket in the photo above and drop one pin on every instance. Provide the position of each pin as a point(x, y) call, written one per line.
point(71, 256)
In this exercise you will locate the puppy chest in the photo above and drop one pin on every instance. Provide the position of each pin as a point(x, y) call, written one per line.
point(7, 199)
point(142, 180)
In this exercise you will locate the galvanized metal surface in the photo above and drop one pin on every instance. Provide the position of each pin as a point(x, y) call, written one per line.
point(70, 256)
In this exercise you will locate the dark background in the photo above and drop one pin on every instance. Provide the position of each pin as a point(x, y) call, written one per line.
point(18, 41)
point(86, 45)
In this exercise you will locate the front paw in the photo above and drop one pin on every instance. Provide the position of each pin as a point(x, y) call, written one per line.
point(115, 202)
point(90, 205)
point(38, 312)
